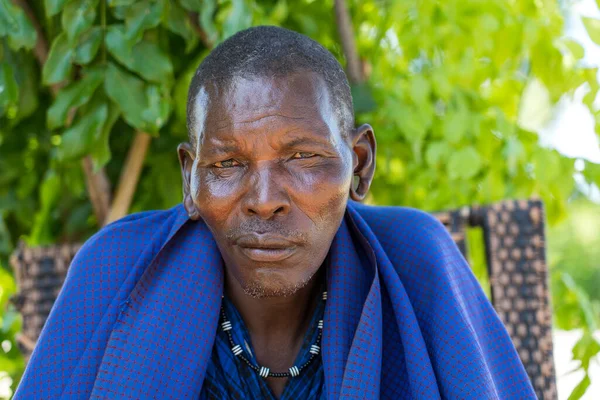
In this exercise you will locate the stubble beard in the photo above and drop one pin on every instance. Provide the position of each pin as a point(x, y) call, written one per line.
point(258, 289)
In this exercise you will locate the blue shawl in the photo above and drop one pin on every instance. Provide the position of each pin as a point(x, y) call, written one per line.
point(405, 317)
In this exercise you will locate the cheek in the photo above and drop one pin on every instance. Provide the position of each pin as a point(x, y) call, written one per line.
point(216, 198)
point(323, 190)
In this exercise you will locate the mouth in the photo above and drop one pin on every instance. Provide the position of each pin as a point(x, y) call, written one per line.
point(266, 248)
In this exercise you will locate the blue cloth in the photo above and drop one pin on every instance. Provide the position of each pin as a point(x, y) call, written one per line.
point(227, 377)
point(405, 317)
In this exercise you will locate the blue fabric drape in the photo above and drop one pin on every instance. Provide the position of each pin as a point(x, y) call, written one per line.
point(405, 317)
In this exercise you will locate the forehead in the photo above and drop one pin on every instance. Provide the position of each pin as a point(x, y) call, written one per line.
point(301, 99)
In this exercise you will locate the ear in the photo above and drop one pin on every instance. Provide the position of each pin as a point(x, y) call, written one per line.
point(364, 148)
point(185, 152)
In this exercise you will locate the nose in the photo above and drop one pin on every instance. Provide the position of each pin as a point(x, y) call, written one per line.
point(266, 197)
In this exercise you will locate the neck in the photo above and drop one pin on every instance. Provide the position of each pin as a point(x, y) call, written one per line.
point(279, 318)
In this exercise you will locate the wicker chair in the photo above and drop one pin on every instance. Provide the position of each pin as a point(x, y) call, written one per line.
point(515, 251)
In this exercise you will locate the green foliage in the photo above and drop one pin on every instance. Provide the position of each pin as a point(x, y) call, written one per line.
point(454, 91)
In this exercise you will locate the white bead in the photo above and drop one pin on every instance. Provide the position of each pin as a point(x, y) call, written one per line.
point(294, 371)
point(314, 349)
point(264, 372)
point(321, 324)
point(226, 325)
point(237, 349)
point(324, 295)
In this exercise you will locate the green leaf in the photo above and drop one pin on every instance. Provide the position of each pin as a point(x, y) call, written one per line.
point(437, 153)
point(118, 3)
point(177, 21)
point(464, 163)
point(58, 66)
point(140, 104)
point(419, 90)
point(157, 112)
point(585, 350)
point(78, 17)
point(9, 90)
point(49, 195)
point(127, 92)
point(580, 389)
point(141, 16)
point(77, 140)
point(192, 5)
point(239, 18)
point(455, 126)
point(576, 49)
point(100, 149)
point(362, 98)
point(53, 7)
point(15, 24)
point(206, 20)
point(88, 46)
point(74, 95)
point(592, 26)
point(145, 58)
point(583, 300)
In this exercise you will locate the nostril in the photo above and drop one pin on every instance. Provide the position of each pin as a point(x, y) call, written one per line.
point(279, 210)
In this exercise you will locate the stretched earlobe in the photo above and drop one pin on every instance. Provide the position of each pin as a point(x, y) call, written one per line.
point(359, 190)
point(191, 209)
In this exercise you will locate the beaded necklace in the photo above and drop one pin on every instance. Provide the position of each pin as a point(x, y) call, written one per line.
point(265, 372)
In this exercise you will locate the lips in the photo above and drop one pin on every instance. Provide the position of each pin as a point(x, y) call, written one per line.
point(266, 248)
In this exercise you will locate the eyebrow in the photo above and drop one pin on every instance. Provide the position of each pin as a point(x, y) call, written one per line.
point(305, 141)
point(222, 149)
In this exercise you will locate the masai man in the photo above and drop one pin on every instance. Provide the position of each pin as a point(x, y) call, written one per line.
point(271, 280)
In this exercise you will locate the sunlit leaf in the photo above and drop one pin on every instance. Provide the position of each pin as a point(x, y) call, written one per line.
point(72, 96)
point(580, 389)
point(592, 26)
point(53, 7)
point(58, 66)
point(145, 107)
point(206, 20)
point(88, 46)
point(100, 149)
point(117, 3)
point(141, 16)
point(78, 139)
point(464, 163)
point(145, 58)
point(77, 17)
point(15, 24)
point(177, 21)
point(9, 91)
point(192, 5)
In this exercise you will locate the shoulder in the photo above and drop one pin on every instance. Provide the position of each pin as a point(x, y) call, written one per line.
point(405, 228)
point(119, 244)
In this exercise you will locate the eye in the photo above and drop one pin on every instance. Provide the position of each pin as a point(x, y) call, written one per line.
point(303, 154)
point(226, 164)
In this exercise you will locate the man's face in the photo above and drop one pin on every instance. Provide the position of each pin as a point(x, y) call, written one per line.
point(270, 175)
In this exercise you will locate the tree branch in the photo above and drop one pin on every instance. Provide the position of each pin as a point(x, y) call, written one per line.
point(98, 184)
point(129, 177)
point(346, 32)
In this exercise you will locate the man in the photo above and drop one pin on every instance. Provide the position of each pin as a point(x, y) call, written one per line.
point(271, 281)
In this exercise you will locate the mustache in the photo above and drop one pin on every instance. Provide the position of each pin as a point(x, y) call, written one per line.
point(262, 227)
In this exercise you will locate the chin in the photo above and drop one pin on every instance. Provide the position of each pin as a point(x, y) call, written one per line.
point(266, 283)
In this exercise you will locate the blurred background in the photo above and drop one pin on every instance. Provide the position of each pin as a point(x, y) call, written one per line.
point(472, 102)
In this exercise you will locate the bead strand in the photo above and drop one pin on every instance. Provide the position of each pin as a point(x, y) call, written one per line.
point(264, 372)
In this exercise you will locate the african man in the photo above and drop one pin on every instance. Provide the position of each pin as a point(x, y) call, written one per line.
point(272, 280)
